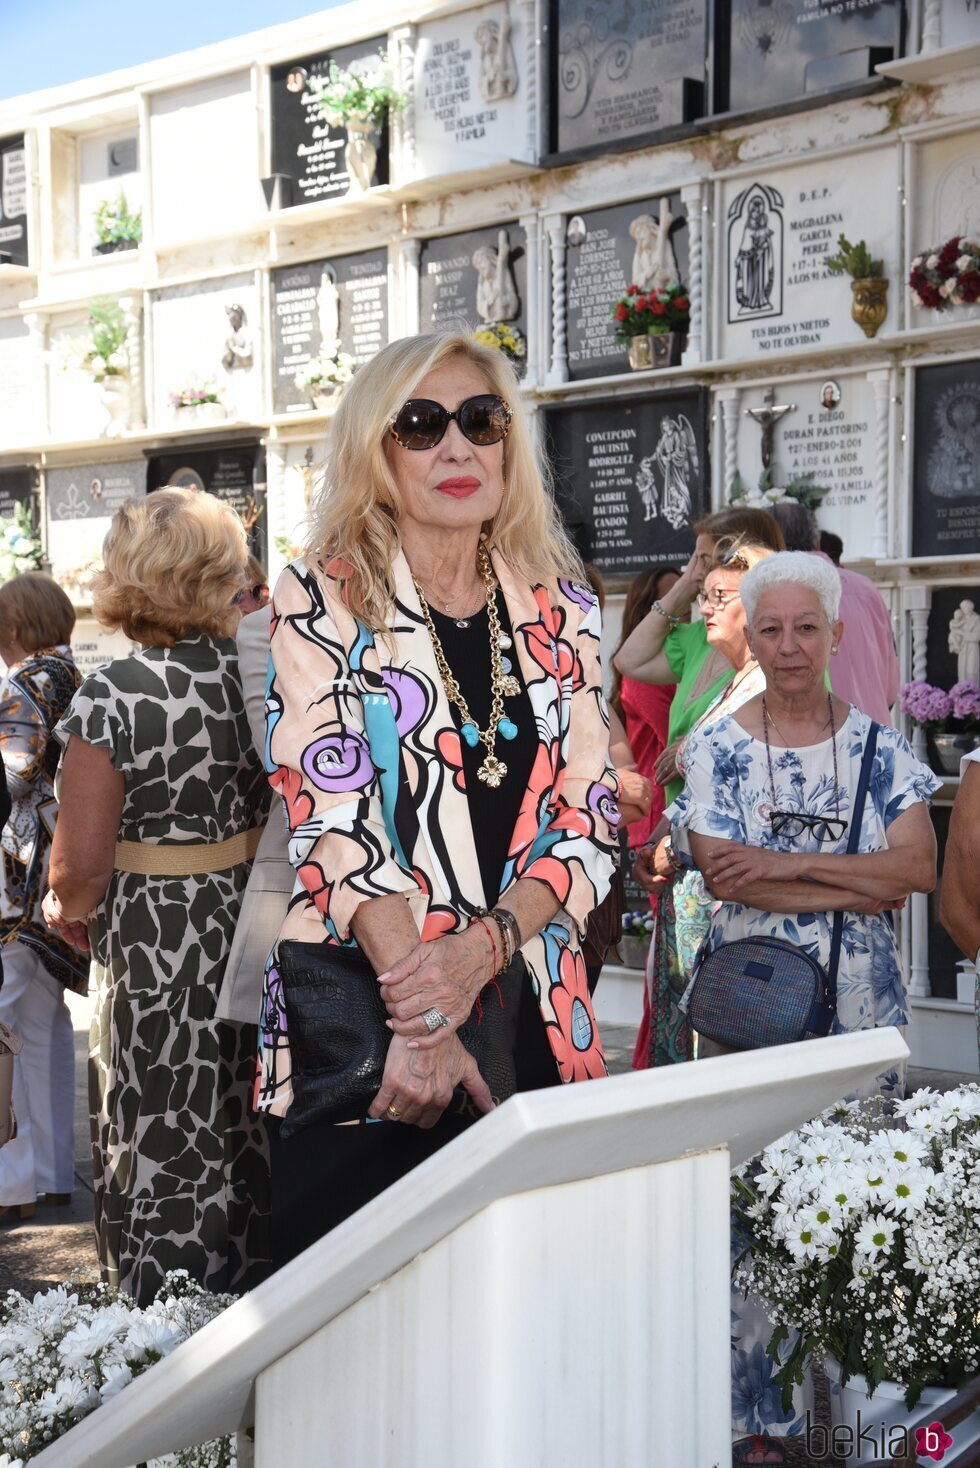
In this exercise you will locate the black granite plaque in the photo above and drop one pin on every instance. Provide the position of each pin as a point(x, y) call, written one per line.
point(93, 491)
point(625, 68)
point(308, 151)
point(326, 305)
point(631, 477)
point(462, 284)
point(13, 201)
point(235, 474)
point(603, 257)
point(943, 952)
point(946, 460)
point(16, 486)
point(783, 49)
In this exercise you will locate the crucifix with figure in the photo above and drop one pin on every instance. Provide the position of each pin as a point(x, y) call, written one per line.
point(767, 417)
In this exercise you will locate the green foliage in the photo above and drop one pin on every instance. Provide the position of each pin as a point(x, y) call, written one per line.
point(114, 223)
point(107, 334)
point(854, 260)
point(346, 96)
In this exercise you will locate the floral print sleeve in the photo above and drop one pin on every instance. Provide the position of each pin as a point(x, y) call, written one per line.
point(318, 751)
point(710, 803)
point(898, 779)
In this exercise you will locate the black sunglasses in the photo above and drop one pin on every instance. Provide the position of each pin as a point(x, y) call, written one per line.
point(791, 823)
point(421, 424)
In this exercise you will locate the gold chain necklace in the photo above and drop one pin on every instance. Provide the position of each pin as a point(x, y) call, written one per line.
point(492, 770)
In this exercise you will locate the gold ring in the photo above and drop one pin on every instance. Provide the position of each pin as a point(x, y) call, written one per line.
point(393, 1112)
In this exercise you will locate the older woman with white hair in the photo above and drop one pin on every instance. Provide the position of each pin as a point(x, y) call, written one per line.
point(768, 815)
point(768, 807)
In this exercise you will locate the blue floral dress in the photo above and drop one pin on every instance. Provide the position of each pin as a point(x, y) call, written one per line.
point(728, 794)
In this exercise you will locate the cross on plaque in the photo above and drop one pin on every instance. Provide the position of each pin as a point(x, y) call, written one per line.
point(767, 417)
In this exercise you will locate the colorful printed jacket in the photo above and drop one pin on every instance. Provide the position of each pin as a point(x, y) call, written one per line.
point(327, 672)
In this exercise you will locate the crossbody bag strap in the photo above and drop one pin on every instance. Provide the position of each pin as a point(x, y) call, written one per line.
point(857, 815)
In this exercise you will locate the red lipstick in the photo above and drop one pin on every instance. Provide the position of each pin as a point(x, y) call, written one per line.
point(460, 488)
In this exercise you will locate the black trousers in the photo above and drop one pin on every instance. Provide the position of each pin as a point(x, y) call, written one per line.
point(323, 1174)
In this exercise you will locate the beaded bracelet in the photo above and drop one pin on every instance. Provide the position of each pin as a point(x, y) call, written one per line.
point(662, 611)
point(508, 921)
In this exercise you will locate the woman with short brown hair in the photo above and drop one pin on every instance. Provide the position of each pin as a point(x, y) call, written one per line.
point(163, 798)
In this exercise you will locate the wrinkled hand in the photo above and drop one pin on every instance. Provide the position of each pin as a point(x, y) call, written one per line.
point(420, 1085)
point(75, 933)
point(634, 789)
point(688, 583)
point(666, 769)
point(871, 906)
point(733, 867)
point(645, 871)
point(447, 975)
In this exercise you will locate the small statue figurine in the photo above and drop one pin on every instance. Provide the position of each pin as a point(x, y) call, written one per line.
point(964, 640)
point(238, 346)
point(496, 290)
point(498, 70)
point(653, 258)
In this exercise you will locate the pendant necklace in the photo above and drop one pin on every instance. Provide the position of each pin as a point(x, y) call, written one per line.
point(492, 770)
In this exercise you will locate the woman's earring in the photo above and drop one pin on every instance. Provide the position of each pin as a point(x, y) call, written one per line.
point(833, 649)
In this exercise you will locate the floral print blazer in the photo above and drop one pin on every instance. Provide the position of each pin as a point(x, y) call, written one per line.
point(341, 787)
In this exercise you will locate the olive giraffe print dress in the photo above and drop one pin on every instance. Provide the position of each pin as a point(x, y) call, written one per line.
point(180, 1163)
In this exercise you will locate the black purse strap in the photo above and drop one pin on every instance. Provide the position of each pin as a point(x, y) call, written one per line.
point(857, 815)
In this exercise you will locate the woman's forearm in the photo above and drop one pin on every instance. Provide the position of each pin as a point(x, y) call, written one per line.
point(77, 895)
point(642, 652)
point(888, 875)
point(385, 930)
point(790, 897)
point(532, 903)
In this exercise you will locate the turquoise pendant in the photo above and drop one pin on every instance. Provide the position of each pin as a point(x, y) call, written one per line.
point(507, 729)
point(471, 734)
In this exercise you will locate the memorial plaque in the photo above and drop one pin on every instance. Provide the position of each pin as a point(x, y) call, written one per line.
point(80, 502)
point(631, 477)
point(943, 952)
point(93, 645)
point(235, 474)
point(828, 433)
point(13, 201)
point(307, 150)
point(779, 230)
point(946, 460)
point(470, 95)
point(322, 307)
point(21, 384)
point(783, 49)
point(960, 23)
point(625, 69)
point(607, 250)
point(208, 332)
point(16, 488)
point(472, 279)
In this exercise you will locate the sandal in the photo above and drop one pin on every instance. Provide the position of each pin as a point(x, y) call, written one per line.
point(757, 1449)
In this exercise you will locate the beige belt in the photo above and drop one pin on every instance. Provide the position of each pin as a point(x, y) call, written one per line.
point(190, 859)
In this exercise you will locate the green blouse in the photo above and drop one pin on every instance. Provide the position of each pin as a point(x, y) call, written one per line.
point(701, 674)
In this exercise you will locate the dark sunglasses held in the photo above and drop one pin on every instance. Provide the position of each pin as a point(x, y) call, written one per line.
point(421, 423)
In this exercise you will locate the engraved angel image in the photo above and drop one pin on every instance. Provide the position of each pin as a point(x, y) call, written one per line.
point(675, 459)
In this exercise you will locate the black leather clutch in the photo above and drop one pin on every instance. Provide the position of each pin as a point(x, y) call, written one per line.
point(338, 1040)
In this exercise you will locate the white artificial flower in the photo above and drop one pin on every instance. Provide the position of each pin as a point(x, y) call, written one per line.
point(947, 288)
point(917, 262)
point(97, 363)
point(916, 299)
point(876, 1235)
point(119, 360)
point(932, 262)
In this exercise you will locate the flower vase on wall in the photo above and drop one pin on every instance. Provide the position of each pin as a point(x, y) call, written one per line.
point(361, 154)
point(114, 392)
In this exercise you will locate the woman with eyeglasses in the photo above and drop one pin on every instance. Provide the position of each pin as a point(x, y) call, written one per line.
point(765, 815)
point(766, 807)
point(437, 730)
point(162, 803)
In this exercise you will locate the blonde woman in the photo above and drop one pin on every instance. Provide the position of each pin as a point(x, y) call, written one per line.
point(438, 580)
point(162, 799)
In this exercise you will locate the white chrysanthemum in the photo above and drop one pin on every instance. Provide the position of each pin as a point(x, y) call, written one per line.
point(928, 1120)
point(84, 1341)
point(67, 1395)
point(963, 1104)
point(146, 1336)
point(900, 1147)
point(924, 1096)
point(116, 1378)
point(804, 1235)
point(876, 1235)
point(906, 1190)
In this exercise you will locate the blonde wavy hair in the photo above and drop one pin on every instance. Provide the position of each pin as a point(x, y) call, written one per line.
point(173, 563)
point(356, 512)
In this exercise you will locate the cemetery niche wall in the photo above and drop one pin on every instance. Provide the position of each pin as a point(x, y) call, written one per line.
point(944, 202)
point(234, 473)
point(946, 460)
point(774, 290)
point(16, 488)
point(21, 383)
point(476, 280)
point(631, 476)
point(80, 502)
point(623, 70)
point(642, 243)
point(309, 153)
point(207, 334)
point(13, 201)
point(471, 92)
point(323, 307)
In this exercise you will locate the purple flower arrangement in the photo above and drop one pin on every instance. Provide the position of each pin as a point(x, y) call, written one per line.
point(955, 712)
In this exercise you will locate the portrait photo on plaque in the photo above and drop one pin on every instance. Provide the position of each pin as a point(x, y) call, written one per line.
point(624, 70)
point(946, 460)
point(784, 49)
point(309, 152)
point(631, 476)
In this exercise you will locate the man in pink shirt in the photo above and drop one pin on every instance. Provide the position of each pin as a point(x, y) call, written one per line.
point(865, 670)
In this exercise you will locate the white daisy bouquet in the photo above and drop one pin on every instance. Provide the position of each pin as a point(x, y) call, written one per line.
point(70, 1349)
point(323, 374)
point(861, 1232)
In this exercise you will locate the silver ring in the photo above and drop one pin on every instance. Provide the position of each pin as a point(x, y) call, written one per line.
point(435, 1019)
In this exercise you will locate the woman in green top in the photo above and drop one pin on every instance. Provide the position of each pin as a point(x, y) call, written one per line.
point(662, 649)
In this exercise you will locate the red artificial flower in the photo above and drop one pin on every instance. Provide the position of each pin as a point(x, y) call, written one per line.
point(681, 303)
point(948, 256)
point(632, 290)
point(622, 312)
point(642, 303)
point(970, 286)
point(658, 308)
